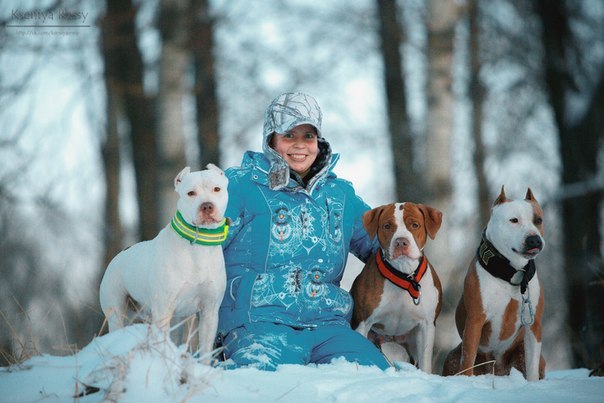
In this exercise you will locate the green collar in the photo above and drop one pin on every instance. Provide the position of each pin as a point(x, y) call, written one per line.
point(200, 236)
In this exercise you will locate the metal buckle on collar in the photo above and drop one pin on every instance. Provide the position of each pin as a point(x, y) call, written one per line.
point(417, 300)
point(527, 320)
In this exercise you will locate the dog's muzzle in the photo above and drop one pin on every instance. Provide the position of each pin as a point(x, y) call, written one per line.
point(533, 244)
point(206, 214)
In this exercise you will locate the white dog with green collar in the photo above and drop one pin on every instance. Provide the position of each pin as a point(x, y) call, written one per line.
point(181, 271)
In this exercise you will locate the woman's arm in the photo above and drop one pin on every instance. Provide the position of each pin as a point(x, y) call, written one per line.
point(361, 244)
point(235, 206)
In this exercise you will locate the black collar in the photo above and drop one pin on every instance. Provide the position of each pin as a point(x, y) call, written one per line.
point(499, 266)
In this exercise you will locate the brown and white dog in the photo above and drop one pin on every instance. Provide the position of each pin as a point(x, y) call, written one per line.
point(499, 314)
point(397, 295)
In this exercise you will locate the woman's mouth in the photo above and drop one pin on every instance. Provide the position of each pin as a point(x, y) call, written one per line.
point(297, 157)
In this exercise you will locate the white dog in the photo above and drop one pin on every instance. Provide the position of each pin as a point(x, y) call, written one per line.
point(181, 271)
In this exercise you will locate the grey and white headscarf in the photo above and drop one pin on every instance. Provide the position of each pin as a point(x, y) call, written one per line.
point(285, 112)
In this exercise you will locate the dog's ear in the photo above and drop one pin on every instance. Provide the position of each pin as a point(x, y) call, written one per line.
point(215, 168)
point(371, 221)
point(433, 219)
point(529, 195)
point(502, 198)
point(180, 176)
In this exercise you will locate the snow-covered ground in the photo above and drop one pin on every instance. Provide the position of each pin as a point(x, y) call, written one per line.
point(134, 365)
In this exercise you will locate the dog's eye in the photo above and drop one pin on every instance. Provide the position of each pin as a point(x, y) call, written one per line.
point(191, 193)
point(514, 220)
point(414, 225)
point(387, 226)
point(538, 221)
point(217, 189)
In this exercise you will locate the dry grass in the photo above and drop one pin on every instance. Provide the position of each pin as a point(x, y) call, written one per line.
point(24, 347)
point(189, 371)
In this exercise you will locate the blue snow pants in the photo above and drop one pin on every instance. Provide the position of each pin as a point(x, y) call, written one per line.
point(266, 345)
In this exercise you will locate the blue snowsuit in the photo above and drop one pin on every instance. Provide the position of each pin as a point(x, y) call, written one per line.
point(285, 255)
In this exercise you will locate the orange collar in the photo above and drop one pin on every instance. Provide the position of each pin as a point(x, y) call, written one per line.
point(407, 282)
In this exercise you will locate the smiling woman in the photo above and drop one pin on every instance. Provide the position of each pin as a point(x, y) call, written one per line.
point(293, 224)
point(298, 147)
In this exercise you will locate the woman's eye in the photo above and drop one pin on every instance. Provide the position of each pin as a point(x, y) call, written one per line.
point(191, 193)
point(217, 189)
point(514, 220)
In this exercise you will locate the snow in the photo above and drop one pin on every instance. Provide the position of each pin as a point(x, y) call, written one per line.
point(136, 364)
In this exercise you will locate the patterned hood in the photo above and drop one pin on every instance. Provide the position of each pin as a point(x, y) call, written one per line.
point(285, 112)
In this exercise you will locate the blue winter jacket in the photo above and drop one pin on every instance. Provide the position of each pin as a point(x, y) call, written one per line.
point(287, 248)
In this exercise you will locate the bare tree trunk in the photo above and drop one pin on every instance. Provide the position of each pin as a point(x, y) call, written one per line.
point(174, 62)
point(580, 144)
point(202, 48)
point(443, 15)
point(477, 94)
point(124, 70)
point(408, 186)
point(110, 153)
point(442, 18)
point(589, 245)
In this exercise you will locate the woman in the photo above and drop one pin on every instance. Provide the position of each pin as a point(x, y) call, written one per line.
point(293, 224)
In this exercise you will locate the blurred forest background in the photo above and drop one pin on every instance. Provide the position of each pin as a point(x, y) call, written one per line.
point(434, 101)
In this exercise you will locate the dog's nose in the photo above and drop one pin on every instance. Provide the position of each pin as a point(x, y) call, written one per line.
point(206, 207)
point(534, 241)
point(403, 246)
point(401, 243)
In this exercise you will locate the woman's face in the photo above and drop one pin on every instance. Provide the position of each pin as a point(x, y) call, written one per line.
point(299, 148)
